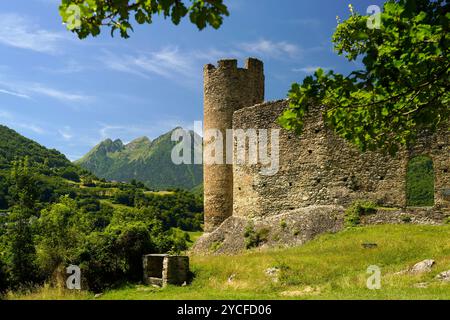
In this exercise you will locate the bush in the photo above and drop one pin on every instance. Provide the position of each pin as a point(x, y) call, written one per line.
point(125, 197)
point(254, 238)
point(352, 215)
point(100, 262)
point(22, 255)
point(179, 240)
point(70, 174)
point(115, 255)
point(59, 236)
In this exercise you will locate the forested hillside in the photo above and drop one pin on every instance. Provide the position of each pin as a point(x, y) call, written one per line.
point(54, 213)
point(144, 160)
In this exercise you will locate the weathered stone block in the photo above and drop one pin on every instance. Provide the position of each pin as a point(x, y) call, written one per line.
point(163, 269)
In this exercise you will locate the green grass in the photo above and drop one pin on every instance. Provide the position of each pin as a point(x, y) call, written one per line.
point(330, 267)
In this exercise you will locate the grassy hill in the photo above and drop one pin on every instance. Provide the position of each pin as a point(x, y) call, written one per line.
point(331, 267)
point(143, 160)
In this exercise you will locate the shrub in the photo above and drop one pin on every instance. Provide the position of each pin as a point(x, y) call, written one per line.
point(99, 261)
point(115, 255)
point(254, 238)
point(70, 174)
point(58, 237)
point(21, 253)
point(125, 197)
point(352, 215)
point(179, 240)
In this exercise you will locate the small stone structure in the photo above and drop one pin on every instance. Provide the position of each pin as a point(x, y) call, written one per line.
point(163, 269)
point(319, 175)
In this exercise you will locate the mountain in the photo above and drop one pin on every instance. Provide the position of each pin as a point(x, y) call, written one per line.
point(13, 146)
point(143, 160)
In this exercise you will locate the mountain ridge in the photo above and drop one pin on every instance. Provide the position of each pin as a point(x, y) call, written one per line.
point(145, 160)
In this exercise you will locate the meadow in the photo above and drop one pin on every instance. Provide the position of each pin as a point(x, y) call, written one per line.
point(333, 266)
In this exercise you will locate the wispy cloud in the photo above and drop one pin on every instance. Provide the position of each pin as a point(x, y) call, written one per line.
point(70, 67)
point(271, 49)
point(128, 132)
point(31, 127)
point(15, 94)
point(167, 62)
point(14, 121)
point(181, 66)
point(30, 89)
point(66, 133)
point(20, 32)
point(58, 94)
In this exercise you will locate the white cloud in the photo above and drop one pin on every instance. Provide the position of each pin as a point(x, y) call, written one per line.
point(167, 62)
point(20, 32)
point(66, 133)
point(58, 94)
point(69, 67)
point(271, 49)
point(31, 127)
point(15, 94)
point(11, 120)
point(28, 90)
point(128, 132)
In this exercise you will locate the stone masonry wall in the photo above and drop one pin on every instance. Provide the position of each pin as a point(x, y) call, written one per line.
point(320, 168)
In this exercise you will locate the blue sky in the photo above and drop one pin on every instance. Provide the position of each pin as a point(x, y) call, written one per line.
point(70, 94)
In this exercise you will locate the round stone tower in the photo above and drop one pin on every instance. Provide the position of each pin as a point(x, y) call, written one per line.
point(227, 88)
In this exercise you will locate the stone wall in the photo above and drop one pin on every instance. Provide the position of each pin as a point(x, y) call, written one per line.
point(320, 168)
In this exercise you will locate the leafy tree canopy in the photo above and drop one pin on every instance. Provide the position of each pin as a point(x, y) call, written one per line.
point(403, 87)
point(86, 17)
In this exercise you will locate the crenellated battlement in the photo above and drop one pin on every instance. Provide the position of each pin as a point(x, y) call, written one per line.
point(252, 66)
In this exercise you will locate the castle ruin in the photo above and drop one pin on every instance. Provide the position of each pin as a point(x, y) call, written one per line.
point(319, 172)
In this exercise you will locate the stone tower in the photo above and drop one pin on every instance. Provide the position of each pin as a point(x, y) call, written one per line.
point(227, 88)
